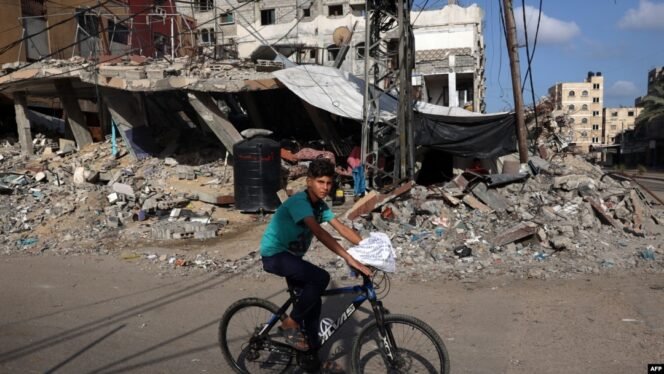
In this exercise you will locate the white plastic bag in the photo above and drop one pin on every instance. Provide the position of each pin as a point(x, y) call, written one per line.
point(376, 251)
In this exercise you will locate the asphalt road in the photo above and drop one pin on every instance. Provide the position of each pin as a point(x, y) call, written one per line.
point(99, 314)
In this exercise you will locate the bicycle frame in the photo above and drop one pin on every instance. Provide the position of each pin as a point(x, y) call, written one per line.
point(366, 292)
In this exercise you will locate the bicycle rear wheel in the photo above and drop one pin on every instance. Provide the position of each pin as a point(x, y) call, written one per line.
point(237, 337)
point(415, 347)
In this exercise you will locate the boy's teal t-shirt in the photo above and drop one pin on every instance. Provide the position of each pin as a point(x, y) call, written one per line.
point(287, 231)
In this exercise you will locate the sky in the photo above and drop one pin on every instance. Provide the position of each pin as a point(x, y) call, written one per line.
point(623, 39)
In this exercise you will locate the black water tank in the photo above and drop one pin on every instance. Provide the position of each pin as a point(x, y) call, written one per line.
point(257, 174)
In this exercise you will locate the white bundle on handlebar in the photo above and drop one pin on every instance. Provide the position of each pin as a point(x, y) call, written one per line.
point(376, 251)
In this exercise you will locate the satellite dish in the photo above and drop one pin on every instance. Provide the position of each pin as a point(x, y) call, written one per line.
point(341, 35)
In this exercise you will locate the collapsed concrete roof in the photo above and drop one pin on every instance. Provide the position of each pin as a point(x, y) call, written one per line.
point(134, 74)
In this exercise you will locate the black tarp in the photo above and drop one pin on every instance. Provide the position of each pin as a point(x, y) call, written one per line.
point(473, 136)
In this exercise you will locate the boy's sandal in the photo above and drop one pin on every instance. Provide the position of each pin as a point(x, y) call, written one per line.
point(331, 367)
point(294, 338)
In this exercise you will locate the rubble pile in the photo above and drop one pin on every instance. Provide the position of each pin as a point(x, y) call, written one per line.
point(78, 201)
point(568, 218)
point(560, 217)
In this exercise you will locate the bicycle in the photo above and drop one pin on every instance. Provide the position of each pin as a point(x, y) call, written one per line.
point(382, 346)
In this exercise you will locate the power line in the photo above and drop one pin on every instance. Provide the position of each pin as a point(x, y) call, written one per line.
point(529, 60)
point(102, 29)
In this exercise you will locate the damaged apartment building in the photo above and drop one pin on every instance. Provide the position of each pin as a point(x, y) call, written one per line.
point(449, 43)
point(39, 29)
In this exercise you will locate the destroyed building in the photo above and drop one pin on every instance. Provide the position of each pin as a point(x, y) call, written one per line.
point(582, 103)
point(93, 30)
point(643, 145)
point(449, 43)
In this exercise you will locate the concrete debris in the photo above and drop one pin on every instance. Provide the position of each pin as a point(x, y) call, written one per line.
point(93, 201)
point(562, 218)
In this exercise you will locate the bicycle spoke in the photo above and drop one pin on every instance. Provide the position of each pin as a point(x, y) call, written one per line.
point(259, 356)
point(415, 352)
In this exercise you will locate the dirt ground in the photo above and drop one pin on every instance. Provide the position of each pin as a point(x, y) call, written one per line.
point(101, 314)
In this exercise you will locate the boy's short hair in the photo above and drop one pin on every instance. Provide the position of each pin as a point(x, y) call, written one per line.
point(321, 167)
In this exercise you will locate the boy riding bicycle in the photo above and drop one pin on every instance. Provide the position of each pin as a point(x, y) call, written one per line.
point(288, 237)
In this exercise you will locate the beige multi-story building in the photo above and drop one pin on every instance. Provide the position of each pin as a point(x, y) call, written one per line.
point(618, 120)
point(449, 42)
point(582, 103)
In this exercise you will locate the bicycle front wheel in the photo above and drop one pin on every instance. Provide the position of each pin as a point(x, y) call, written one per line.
point(241, 348)
point(413, 345)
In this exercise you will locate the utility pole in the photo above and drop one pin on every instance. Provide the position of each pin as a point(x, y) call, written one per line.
point(512, 49)
point(388, 68)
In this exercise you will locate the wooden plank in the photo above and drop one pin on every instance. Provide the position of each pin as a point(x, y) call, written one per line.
point(208, 110)
point(22, 123)
point(476, 204)
point(518, 232)
point(605, 218)
point(75, 117)
point(450, 199)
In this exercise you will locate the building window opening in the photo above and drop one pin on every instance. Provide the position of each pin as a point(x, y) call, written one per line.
point(584, 107)
point(88, 22)
point(335, 10)
point(584, 120)
point(595, 127)
point(332, 52)
point(227, 18)
point(118, 33)
point(595, 99)
point(359, 51)
point(306, 12)
point(204, 5)
point(267, 17)
point(208, 36)
point(571, 108)
point(571, 93)
point(584, 93)
point(595, 139)
point(357, 10)
point(630, 113)
point(595, 86)
point(595, 113)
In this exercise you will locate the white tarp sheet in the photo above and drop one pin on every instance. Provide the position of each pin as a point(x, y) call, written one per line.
point(342, 93)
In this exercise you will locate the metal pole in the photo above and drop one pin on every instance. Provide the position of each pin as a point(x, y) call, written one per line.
point(172, 41)
point(366, 108)
point(512, 49)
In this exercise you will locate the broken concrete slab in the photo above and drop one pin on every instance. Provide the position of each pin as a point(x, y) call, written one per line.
point(123, 189)
point(639, 211)
point(66, 146)
point(216, 199)
point(79, 175)
point(560, 242)
point(490, 197)
point(515, 233)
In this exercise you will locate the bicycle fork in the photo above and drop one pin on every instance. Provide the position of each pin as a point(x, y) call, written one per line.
point(385, 332)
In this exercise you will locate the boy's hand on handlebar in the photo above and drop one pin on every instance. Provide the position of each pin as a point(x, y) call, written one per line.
point(353, 263)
